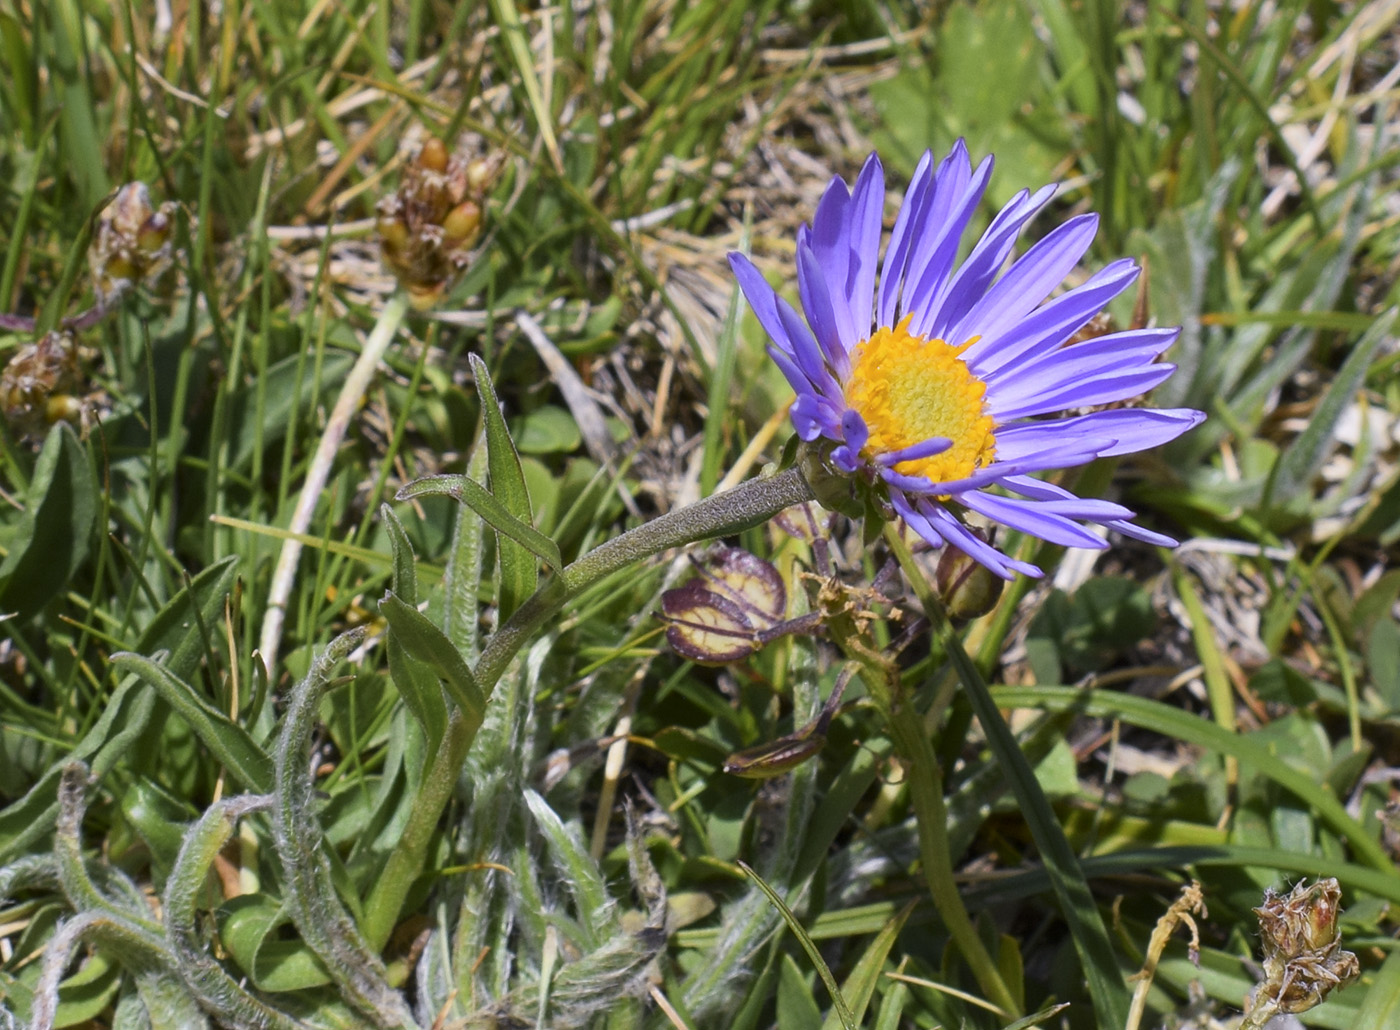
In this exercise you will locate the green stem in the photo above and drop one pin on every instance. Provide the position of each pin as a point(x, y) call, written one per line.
point(747, 505)
point(1101, 973)
point(925, 779)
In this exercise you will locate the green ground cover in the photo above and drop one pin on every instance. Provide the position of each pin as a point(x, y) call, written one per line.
point(502, 800)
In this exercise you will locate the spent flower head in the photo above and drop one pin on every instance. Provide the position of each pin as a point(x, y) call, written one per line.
point(1303, 957)
point(428, 227)
point(133, 243)
point(40, 385)
point(931, 387)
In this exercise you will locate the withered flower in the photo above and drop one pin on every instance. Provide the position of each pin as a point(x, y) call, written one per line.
point(132, 243)
point(428, 227)
point(40, 384)
point(733, 607)
point(1303, 960)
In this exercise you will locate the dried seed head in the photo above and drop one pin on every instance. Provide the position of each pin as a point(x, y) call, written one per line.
point(38, 383)
point(1303, 960)
point(428, 227)
point(133, 242)
point(730, 610)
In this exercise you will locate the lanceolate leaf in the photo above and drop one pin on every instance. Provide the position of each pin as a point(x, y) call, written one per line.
point(481, 501)
point(52, 538)
point(425, 642)
point(228, 741)
point(519, 572)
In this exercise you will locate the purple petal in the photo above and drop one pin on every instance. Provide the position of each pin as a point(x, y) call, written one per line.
point(1104, 353)
point(1034, 517)
point(1029, 282)
point(906, 510)
point(972, 545)
point(853, 428)
point(867, 217)
point(1054, 323)
point(1138, 533)
point(925, 449)
point(830, 243)
point(830, 323)
point(806, 352)
point(1104, 388)
point(1133, 429)
point(812, 417)
point(897, 253)
point(957, 190)
point(967, 287)
point(762, 298)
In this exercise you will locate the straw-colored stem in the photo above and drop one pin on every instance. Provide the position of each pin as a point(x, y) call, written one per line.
point(351, 394)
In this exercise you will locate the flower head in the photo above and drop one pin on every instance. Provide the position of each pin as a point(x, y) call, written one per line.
point(933, 385)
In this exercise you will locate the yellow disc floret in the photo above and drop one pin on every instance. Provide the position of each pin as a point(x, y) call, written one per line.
point(910, 388)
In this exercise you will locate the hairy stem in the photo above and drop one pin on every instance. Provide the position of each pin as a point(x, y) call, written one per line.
point(747, 505)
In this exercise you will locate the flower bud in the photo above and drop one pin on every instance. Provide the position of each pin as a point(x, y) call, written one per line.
point(728, 611)
point(433, 155)
point(968, 588)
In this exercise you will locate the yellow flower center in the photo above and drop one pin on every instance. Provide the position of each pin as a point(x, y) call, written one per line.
point(910, 388)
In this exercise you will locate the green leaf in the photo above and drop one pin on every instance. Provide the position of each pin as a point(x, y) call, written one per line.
point(123, 721)
point(1381, 1009)
point(1300, 462)
point(175, 629)
point(838, 1000)
point(547, 430)
point(1184, 726)
point(519, 573)
point(261, 413)
point(273, 965)
point(1076, 902)
point(229, 742)
point(415, 681)
point(425, 642)
point(860, 985)
point(582, 877)
point(159, 817)
point(51, 541)
point(797, 1008)
point(481, 501)
point(85, 994)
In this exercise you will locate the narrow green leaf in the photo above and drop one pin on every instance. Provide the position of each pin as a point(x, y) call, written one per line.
point(796, 1006)
point(123, 721)
point(461, 585)
point(1381, 1009)
point(51, 542)
point(175, 628)
point(480, 500)
point(1180, 725)
point(838, 1000)
point(519, 572)
point(1076, 902)
point(860, 985)
point(226, 740)
point(583, 879)
point(425, 642)
point(1300, 462)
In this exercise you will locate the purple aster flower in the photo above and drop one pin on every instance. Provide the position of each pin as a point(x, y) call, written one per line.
point(936, 383)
